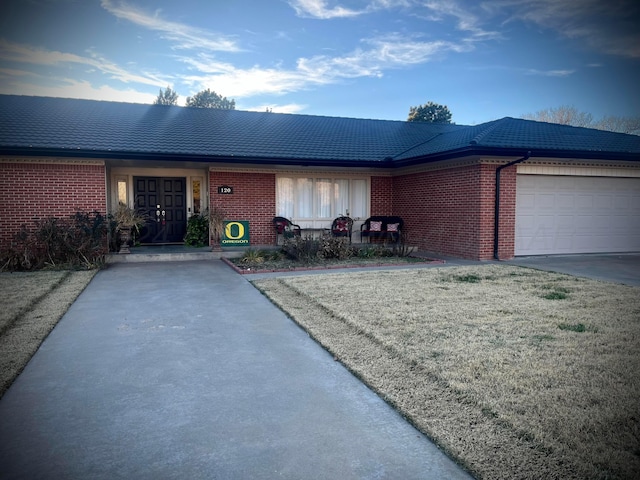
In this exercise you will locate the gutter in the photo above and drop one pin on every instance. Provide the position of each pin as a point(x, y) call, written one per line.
point(496, 217)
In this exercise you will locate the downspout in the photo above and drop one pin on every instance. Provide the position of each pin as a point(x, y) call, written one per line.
point(496, 227)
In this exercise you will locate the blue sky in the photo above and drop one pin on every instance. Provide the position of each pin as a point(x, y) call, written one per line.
point(351, 58)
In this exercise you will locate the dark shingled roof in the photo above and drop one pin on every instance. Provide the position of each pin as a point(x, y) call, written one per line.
point(57, 126)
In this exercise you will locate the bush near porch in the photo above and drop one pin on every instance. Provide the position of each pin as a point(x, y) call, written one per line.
point(77, 241)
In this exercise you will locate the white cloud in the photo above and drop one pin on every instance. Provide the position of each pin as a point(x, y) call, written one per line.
point(549, 73)
point(466, 19)
point(25, 54)
point(183, 36)
point(383, 53)
point(70, 88)
point(275, 108)
point(319, 9)
point(610, 27)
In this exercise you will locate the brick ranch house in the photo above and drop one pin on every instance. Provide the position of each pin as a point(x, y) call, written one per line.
point(561, 189)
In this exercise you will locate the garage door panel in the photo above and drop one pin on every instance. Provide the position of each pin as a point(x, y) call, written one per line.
point(584, 202)
point(603, 202)
point(566, 223)
point(565, 202)
point(570, 214)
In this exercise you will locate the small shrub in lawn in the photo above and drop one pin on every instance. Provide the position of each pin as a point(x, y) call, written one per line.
point(555, 295)
point(578, 327)
point(469, 278)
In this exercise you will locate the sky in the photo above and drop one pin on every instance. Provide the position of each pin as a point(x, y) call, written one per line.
point(375, 59)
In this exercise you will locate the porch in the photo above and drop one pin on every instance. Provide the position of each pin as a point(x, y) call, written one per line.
point(175, 253)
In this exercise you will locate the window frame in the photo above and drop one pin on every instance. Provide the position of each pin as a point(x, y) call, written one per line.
point(315, 194)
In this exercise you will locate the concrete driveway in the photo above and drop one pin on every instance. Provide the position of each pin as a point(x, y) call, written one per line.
point(616, 268)
point(183, 370)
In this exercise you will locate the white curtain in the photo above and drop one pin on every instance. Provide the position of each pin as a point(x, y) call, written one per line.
point(323, 194)
point(321, 198)
point(304, 198)
point(285, 195)
point(342, 202)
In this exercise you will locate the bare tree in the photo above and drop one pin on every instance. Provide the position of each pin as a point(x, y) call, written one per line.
point(564, 115)
point(619, 124)
point(569, 115)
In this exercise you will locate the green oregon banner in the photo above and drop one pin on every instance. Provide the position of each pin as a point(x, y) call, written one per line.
point(236, 233)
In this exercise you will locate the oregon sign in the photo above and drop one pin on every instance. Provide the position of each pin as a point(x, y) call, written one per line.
point(236, 233)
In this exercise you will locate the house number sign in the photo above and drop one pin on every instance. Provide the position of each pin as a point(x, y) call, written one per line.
point(225, 190)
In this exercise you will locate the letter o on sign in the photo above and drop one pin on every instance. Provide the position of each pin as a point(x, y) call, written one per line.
point(234, 230)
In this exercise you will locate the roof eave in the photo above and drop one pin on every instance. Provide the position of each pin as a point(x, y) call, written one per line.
point(154, 156)
point(517, 151)
point(386, 163)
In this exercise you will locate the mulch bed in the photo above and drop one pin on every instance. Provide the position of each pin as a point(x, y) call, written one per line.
point(392, 262)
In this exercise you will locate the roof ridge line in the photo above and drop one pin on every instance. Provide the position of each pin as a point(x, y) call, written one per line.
point(418, 144)
point(475, 140)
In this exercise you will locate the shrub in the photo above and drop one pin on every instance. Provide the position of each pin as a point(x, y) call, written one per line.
point(335, 247)
point(78, 241)
point(555, 295)
point(373, 251)
point(252, 256)
point(578, 327)
point(301, 249)
point(197, 231)
point(402, 248)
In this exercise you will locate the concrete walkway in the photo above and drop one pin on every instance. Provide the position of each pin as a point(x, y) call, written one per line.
point(616, 268)
point(184, 370)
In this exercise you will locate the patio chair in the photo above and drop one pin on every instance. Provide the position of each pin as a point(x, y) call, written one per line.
point(341, 227)
point(283, 226)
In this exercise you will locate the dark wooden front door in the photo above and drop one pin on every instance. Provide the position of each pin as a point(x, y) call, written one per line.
point(164, 200)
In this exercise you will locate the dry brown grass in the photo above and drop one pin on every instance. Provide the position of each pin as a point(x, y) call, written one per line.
point(31, 303)
point(505, 374)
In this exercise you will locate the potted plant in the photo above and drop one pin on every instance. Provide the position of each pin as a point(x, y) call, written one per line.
point(127, 220)
point(216, 226)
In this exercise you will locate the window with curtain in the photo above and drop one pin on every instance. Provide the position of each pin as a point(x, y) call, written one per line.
point(321, 197)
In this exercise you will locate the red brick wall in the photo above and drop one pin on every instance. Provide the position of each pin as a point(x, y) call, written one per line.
point(381, 195)
point(507, 234)
point(253, 199)
point(30, 191)
point(451, 211)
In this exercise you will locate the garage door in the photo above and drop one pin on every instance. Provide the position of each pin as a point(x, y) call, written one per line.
point(567, 214)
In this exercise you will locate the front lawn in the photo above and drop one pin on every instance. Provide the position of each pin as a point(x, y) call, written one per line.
point(32, 303)
point(516, 373)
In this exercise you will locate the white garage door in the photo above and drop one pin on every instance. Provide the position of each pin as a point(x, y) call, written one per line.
point(567, 214)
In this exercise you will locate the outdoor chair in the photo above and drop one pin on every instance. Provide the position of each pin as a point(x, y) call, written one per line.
point(283, 226)
point(341, 227)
